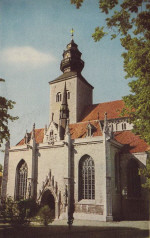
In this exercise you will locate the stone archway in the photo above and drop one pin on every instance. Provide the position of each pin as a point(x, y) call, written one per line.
point(48, 198)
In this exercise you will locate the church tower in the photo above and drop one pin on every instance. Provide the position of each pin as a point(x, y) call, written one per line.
point(78, 90)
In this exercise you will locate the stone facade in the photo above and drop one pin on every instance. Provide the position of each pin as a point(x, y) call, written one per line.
point(81, 171)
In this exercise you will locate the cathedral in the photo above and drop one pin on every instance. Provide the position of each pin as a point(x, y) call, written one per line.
point(85, 163)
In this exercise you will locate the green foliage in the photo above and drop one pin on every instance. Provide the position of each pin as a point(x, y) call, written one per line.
point(1, 168)
point(46, 215)
point(78, 3)
point(99, 33)
point(146, 173)
point(5, 117)
point(131, 21)
point(18, 212)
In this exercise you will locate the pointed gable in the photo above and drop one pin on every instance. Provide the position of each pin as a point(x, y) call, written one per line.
point(79, 130)
point(39, 135)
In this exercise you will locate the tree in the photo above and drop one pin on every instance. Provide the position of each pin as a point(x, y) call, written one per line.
point(46, 215)
point(131, 21)
point(1, 168)
point(5, 117)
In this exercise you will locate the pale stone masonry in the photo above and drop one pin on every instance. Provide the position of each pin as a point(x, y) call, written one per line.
point(85, 163)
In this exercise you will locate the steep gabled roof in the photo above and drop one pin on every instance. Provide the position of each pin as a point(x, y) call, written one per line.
point(39, 136)
point(134, 142)
point(79, 130)
point(96, 111)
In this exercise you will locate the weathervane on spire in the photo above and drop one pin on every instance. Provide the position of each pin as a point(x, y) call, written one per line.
point(72, 31)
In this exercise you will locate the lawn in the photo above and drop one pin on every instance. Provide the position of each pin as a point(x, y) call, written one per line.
point(78, 230)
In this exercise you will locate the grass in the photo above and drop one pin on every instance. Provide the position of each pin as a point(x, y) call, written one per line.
point(79, 230)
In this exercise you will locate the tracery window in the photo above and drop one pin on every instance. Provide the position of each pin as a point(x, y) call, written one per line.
point(58, 97)
point(21, 180)
point(86, 178)
point(133, 179)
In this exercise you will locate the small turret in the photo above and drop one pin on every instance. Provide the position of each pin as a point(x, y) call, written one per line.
point(64, 114)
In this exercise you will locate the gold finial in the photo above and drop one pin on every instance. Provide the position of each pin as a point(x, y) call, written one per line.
point(72, 31)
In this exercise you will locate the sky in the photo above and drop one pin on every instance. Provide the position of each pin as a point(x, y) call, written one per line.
point(33, 36)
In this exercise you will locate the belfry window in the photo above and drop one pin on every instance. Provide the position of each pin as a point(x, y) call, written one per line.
point(58, 97)
point(21, 180)
point(86, 178)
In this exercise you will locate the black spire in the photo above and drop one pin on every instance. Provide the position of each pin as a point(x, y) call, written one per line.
point(72, 59)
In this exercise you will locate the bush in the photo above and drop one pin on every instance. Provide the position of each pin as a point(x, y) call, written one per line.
point(18, 212)
point(46, 215)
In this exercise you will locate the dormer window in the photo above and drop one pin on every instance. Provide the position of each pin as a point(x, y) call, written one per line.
point(89, 130)
point(58, 97)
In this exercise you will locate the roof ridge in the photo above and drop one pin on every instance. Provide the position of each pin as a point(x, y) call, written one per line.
point(81, 122)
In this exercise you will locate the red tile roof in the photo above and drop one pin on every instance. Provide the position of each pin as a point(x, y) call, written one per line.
point(79, 130)
point(39, 136)
point(113, 109)
point(96, 111)
point(134, 142)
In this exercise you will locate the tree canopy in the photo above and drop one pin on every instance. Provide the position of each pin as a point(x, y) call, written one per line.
point(130, 20)
point(5, 117)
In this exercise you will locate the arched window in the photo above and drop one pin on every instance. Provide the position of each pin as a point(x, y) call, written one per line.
point(58, 97)
point(133, 179)
point(21, 180)
point(86, 178)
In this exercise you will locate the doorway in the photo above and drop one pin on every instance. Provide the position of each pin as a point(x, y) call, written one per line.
point(48, 199)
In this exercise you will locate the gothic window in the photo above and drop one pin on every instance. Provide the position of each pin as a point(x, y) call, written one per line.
point(58, 97)
point(133, 179)
point(21, 180)
point(86, 178)
point(117, 173)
